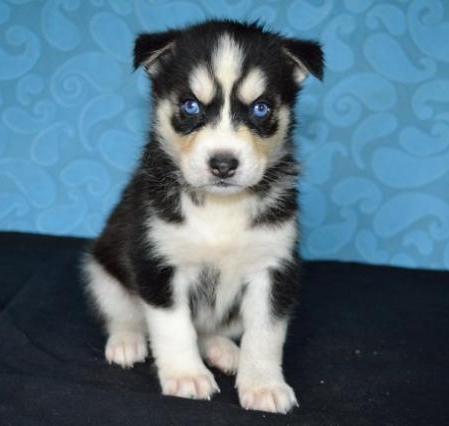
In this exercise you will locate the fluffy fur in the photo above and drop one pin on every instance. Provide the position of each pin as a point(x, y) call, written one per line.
point(194, 258)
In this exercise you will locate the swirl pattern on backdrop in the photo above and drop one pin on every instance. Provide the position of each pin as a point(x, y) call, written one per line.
point(374, 137)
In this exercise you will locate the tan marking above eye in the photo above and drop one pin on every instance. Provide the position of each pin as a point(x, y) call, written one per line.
point(202, 84)
point(252, 86)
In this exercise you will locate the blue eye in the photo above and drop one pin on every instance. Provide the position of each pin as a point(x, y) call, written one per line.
point(261, 110)
point(191, 107)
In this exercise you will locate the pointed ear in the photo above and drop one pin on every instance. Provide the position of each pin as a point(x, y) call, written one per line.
point(150, 49)
point(307, 57)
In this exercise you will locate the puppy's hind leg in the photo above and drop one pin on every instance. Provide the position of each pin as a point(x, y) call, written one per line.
point(220, 352)
point(122, 313)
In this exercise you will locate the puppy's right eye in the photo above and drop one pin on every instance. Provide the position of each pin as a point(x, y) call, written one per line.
point(261, 110)
point(191, 107)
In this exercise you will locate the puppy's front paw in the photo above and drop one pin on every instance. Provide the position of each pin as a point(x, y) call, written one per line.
point(275, 398)
point(199, 385)
point(127, 348)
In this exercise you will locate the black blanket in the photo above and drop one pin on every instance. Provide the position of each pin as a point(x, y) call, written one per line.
point(369, 345)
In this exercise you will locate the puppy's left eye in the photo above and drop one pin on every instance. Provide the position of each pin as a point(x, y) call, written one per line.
point(191, 107)
point(261, 110)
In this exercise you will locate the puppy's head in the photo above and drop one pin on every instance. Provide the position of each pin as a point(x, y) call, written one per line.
point(224, 94)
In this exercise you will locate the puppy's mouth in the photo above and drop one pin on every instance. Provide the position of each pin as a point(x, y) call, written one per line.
point(222, 186)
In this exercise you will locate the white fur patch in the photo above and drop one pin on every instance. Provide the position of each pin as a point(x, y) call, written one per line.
point(252, 86)
point(227, 62)
point(202, 84)
point(121, 310)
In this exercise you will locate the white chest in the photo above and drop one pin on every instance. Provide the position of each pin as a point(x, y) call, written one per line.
point(219, 233)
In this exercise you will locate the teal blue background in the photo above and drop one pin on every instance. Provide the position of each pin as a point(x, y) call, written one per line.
point(374, 137)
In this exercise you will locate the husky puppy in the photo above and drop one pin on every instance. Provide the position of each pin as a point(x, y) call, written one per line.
point(201, 251)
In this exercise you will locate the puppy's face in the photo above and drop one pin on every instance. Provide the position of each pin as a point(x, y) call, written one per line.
point(223, 98)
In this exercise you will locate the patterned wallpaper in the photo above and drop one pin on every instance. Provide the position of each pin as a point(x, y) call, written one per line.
point(374, 137)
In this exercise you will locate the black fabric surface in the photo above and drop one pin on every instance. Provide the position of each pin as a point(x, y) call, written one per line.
point(368, 346)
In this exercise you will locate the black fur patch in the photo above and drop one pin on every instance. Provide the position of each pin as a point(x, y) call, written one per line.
point(148, 44)
point(284, 287)
point(204, 292)
point(285, 208)
point(233, 313)
point(153, 275)
point(281, 176)
point(161, 183)
point(282, 171)
point(154, 282)
point(196, 197)
point(308, 52)
point(111, 249)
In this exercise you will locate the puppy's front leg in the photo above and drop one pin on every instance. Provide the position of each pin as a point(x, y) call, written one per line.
point(260, 381)
point(173, 340)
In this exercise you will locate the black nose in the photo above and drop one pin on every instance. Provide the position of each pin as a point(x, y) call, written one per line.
point(223, 165)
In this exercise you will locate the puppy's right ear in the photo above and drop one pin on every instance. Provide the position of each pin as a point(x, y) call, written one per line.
point(150, 49)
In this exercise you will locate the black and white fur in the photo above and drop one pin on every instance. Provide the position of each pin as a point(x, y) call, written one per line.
point(193, 262)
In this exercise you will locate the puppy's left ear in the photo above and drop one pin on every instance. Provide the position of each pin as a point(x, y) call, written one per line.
point(151, 49)
point(307, 57)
